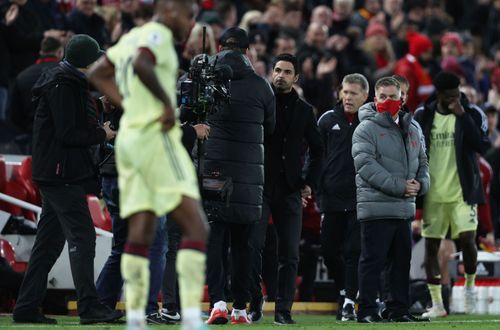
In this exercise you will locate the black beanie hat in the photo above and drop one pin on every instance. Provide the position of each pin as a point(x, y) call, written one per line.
point(82, 50)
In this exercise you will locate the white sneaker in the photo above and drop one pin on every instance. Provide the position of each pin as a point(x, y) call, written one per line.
point(239, 316)
point(435, 311)
point(470, 300)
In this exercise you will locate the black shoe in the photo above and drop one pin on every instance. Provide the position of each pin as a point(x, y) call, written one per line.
point(36, 317)
point(407, 318)
point(158, 319)
point(100, 314)
point(375, 318)
point(170, 314)
point(384, 313)
point(348, 313)
point(283, 318)
point(255, 311)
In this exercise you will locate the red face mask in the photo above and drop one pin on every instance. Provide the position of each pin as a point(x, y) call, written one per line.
point(390, 106)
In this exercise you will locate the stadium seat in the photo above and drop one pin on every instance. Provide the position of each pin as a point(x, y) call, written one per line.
point(100, 214)
point(7, 253)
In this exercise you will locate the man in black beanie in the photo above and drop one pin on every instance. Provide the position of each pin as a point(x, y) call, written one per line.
point(455, 132)
point(63, 131)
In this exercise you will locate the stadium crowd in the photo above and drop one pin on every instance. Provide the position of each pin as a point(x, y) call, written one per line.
point(339, 51)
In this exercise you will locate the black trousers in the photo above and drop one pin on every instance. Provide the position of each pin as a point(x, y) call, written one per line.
point(65, 217)
point(286, 210)
point(341, 247)
point(216, 252)
point(384, 240)
point(170, 288)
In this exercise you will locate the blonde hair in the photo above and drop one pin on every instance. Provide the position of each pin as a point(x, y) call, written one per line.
point(196, 37)
point(250, 17)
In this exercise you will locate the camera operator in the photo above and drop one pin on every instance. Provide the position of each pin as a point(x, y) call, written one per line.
point(236, 149)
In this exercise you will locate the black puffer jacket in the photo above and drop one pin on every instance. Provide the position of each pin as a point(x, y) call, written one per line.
point(62, 130)
point(235, 147)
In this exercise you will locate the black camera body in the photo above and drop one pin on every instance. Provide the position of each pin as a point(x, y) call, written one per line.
point(207, 86)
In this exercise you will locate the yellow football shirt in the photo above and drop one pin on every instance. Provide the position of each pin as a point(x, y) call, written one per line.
point(141, 107)
point(445, 183)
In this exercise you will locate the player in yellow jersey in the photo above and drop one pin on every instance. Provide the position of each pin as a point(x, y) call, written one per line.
point(155, 173)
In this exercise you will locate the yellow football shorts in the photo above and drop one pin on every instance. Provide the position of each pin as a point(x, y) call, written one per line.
point(154, 170)
point(438, 218)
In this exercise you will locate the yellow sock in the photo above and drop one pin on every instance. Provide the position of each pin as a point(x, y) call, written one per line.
point(470, 280)
point(435, 291)
point(191, 274)
point(135, 273)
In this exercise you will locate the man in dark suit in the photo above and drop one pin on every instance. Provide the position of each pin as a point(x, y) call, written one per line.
point(285, 188)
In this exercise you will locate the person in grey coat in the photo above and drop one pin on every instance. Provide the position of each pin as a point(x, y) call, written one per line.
point(391, 170)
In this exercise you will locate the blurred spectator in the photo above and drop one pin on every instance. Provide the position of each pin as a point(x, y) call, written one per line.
point(128, 8)
point(452, 49)
point(494, 92)
point(393, 14)
point(351, 58)
point(227, 13)
point(194, 44)
point(378, 46)
point(322, 15)
point(493, 132)
point(284, 44)
point(317, 67)
point(83, 20)
point(410, 67)
point(49, 14)
point(342, 14)
point(362, 16)
point(415, 14)
point(250, 18)
point(212, 18)
point(292, 20)
point(24, 32)
point(471, 93)
point(21, 108)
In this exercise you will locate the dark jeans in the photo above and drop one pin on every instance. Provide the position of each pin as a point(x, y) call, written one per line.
point(109, 283)
point(286, 210)
point(216, 277)
point(169, 288)
point(384, 240)
point(65, 217)
point(341, 247)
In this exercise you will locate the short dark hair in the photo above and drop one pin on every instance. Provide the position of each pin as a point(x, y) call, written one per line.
point(401, 80)
point(446, 80)
point(50, 45)
point(234, 38)
point(287, 58)
point(387, 81)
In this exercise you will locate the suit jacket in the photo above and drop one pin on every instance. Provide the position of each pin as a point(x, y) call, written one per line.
point(296, 130)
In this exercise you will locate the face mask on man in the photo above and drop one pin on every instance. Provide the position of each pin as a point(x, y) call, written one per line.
point(390, 106)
